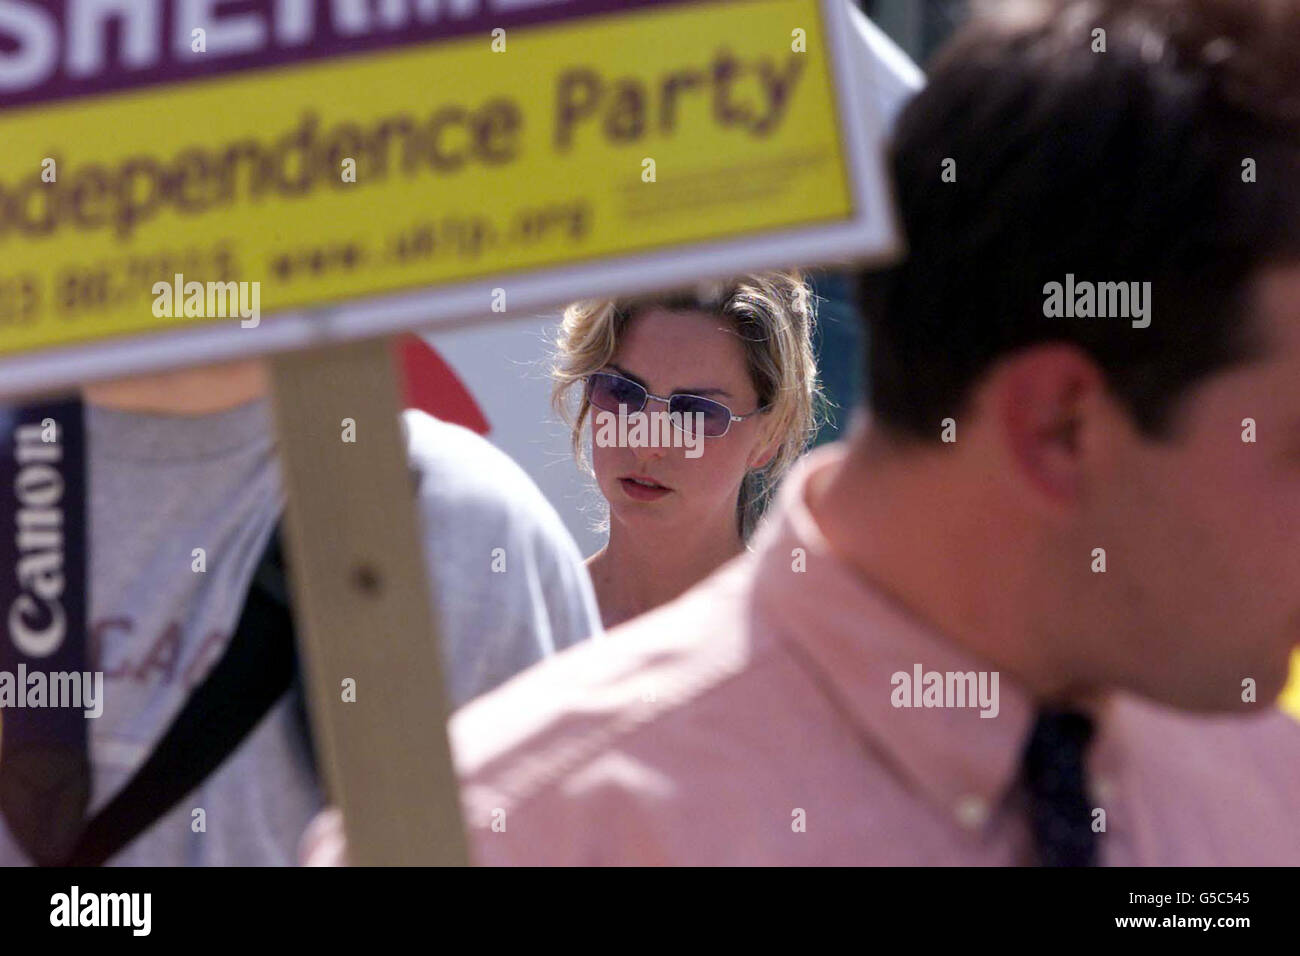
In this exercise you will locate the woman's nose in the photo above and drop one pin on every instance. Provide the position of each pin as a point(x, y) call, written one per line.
point(646, 441)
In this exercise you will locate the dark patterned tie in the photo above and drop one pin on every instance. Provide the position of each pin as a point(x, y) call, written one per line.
point(1059, 809)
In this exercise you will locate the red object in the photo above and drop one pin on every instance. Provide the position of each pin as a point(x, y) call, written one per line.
point(431, 385)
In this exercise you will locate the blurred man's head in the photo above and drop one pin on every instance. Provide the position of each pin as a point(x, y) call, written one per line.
point(1165, 150)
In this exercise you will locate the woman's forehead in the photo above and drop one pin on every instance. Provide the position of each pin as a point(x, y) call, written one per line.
point(657, 325)
point(679, 350)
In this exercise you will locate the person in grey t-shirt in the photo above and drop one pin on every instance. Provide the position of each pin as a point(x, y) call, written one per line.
point(187, 460)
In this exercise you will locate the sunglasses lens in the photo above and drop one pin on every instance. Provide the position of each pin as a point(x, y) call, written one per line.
point(608, 392)
point(716, 417)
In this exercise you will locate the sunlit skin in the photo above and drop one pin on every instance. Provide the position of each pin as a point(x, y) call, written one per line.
point(659, 548)
point(990, 539)
point(195, 391)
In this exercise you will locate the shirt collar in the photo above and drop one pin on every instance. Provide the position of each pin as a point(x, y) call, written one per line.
point(856, 638)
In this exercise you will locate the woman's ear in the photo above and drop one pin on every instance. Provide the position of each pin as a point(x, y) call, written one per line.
point(763, 454)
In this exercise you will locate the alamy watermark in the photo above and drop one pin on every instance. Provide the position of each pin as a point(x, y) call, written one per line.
point(1102, 300)
point(213, 300)
point(660, 429)
point(79, 689)
point(946, 689)
point(133, 911)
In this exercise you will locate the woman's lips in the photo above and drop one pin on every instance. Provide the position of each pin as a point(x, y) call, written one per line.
point(634, 489)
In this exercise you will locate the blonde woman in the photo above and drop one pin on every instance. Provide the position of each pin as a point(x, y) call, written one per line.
point(734, 357)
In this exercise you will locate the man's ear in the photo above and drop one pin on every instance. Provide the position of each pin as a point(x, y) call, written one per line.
point(1044, 400)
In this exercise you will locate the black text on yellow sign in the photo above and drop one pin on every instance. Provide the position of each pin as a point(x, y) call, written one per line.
point(399, 169)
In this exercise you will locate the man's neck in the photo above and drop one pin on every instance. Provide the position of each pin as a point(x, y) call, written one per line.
point(198, 391)
point(931, 543)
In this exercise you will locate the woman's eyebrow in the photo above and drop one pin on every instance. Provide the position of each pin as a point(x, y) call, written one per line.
point(702, 392)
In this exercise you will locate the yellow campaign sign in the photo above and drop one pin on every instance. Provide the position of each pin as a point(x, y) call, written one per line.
point(584, 141)
point(1290, 699)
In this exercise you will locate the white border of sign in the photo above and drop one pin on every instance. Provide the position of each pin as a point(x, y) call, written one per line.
point(451, 306)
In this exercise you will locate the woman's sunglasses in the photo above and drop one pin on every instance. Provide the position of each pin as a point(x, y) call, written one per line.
point(614, 393)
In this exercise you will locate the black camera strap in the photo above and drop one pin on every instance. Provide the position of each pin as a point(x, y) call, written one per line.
point(258, 667)
point(45, 769)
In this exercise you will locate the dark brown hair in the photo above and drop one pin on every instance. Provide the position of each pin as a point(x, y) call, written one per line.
point(1117, 166)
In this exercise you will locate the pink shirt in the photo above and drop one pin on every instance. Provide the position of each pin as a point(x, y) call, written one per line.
point(752, 721)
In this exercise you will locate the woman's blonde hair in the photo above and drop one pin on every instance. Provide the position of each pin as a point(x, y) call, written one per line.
point(773, 313)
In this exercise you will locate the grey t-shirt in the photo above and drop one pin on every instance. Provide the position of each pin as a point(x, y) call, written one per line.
point(162, 486)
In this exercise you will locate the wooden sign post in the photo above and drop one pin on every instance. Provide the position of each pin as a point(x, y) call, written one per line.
point(362, 605)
